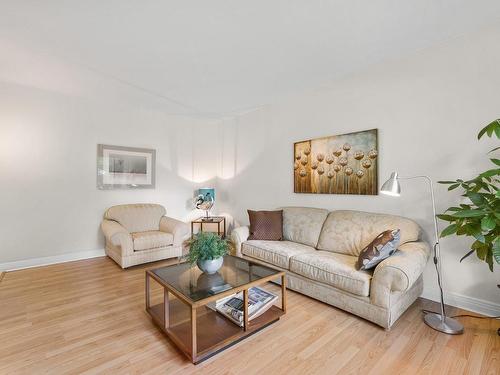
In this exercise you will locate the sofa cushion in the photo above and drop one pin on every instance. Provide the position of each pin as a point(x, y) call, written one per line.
point(382, 247)
point(151, 240)
point(333, 269)
point(266, 225)
point(349, 232)
point(303, 224)
point(137, 217)
point(275, 252)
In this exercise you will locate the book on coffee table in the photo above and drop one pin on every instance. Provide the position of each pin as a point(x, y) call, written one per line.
point(259, 301)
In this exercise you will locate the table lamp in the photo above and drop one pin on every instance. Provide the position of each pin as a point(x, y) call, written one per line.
point(437, 321)
point(205, 201)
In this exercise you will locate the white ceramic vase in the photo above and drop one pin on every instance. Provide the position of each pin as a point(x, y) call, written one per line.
point(210, 266)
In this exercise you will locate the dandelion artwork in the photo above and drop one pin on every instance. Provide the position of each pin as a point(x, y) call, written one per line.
point(340, 164)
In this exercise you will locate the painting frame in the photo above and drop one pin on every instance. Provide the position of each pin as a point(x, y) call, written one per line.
point(338, 164)
point(122, 167)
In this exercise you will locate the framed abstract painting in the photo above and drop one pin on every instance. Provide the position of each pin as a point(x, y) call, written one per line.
point(121, 167)
point(339, 164)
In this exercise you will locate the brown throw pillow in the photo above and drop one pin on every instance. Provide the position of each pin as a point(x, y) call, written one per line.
point(382, 247)
point(266, 225)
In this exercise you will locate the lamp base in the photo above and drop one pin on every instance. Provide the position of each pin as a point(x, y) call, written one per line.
point(446, 325)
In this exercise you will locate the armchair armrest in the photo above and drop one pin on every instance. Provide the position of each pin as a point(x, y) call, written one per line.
point(398, 272)
point(118, 236)
point(238, 236)
point(179, 229)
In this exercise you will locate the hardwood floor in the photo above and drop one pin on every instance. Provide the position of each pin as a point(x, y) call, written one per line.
point(87, 317)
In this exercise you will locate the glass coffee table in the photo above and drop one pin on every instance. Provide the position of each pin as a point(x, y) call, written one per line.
point(182, 313)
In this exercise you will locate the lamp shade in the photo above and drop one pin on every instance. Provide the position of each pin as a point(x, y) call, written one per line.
point(205, 201)
point(207, 193)
point(391, 186)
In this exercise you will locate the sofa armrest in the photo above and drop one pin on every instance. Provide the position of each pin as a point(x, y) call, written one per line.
point(398, 272)
point(238, 236)
point(179, 229)
point(118, 236)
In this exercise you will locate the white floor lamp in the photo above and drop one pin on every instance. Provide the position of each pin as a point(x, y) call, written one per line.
point(439, 322)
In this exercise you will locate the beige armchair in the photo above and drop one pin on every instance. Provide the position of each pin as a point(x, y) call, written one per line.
point(141, 233)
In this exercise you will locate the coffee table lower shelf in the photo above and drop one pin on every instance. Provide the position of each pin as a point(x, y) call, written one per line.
point(214, 332)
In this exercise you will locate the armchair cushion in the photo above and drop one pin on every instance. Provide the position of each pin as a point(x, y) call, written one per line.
point(151, 240)
point(178, 229)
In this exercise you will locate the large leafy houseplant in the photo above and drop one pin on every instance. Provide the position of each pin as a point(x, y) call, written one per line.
point(207, 246)
point(480, 216)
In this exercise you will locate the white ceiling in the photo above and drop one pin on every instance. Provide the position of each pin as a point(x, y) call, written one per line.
point(221, 57)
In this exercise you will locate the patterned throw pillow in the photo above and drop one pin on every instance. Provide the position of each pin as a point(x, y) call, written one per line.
point(266, 225)
point(382, 247)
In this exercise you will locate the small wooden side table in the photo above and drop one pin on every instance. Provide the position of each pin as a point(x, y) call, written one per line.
point(211, 220)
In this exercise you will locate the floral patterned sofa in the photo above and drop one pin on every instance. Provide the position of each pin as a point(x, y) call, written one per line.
point(320, 249)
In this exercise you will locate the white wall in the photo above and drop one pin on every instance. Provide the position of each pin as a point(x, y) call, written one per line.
point(49, 203)
point(428, 109)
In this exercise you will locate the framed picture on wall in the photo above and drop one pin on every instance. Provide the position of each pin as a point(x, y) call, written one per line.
point(121, 167)
point(339, 164)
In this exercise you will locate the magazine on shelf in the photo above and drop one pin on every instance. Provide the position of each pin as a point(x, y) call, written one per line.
point(259, 301)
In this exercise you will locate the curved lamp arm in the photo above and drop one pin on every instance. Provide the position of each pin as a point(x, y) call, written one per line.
point(392, 187)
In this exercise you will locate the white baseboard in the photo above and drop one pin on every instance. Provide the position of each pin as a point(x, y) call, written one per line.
point(45, 261)
point(461, 301)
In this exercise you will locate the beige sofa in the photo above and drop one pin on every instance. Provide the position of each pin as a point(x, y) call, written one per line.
point(141, 233)
point(320, 249)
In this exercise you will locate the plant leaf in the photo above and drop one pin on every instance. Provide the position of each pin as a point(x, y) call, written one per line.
point(475, 231)
point(496, 250)
point(496, 161)
point(476, 198)
point(478, 236)
point(488, 223)
point(468, 213)
point(481, 252)
point(490, 173)
point(466, 255)
point(489, 259)
point(489, 129)
point(446, 217)
point(450, 229)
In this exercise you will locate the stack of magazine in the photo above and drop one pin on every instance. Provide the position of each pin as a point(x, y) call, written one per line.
point(259, 301)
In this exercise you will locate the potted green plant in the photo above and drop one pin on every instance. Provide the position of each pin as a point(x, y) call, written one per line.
point(479, 218)
point(207, 250)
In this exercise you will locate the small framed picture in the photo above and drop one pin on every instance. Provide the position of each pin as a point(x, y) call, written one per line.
point(121, 167)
